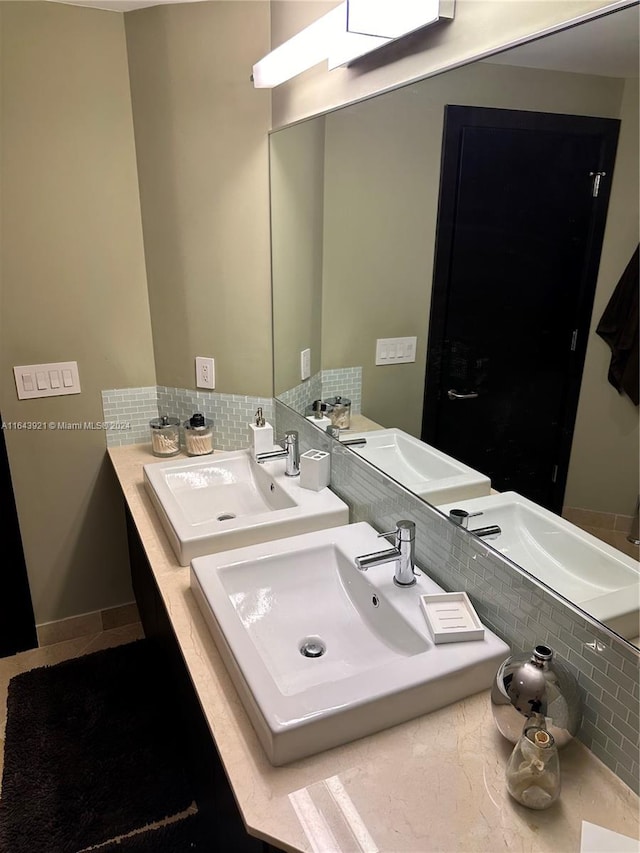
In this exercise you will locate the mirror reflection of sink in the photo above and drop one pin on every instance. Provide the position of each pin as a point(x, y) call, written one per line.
point(321, 653)
point(592, 574)
point(227, 500)
point(422, 469)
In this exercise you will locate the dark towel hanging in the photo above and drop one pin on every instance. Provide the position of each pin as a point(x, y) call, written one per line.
point(619, 328)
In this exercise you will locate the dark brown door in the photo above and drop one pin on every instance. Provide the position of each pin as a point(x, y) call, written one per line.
point(522, 208)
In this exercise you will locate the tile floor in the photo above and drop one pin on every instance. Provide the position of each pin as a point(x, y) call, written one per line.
point(47, 655)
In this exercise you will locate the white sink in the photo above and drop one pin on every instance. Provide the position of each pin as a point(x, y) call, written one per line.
point(227, 500)
point(422, 469)
point(380, 667)
point(593, 575)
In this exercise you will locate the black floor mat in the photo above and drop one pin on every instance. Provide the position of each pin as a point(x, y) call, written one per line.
point(188, 835)
point(90, 752)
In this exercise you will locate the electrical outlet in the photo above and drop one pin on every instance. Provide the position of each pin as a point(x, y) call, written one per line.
point(305, 364)
point(205, 373)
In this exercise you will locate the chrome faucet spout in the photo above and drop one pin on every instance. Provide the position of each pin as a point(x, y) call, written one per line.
point(403, 555)
point(489, 532)
point(290, 451)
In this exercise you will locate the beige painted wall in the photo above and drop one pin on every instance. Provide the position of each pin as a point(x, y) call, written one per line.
point(73, 287)
point(201, 140)
point(605, 468)
point(480, 27)
point(297, 170)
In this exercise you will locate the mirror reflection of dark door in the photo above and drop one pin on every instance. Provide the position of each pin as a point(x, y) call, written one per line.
point(522, 209)
point(17, 624)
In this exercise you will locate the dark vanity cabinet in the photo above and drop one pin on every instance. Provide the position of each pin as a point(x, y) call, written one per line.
point(212, 791)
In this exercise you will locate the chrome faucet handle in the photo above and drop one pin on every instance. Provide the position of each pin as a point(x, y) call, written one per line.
point(461, 516)
point(388, 533)
point(405, 531)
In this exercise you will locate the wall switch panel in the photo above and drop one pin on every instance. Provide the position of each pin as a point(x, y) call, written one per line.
point(305, 364)
point(395, 350)
point(47, 380)
point(205, 373)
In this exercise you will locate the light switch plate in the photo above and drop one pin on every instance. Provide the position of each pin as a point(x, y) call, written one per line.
point(47, 380)
point(396, 350)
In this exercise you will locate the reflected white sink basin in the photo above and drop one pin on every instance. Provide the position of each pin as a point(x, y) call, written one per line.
point(597, 577)
point(422, 469)
point(379, 667)
point(227, 500)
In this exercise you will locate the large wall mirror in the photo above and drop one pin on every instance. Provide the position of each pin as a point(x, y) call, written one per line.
point(355, 196)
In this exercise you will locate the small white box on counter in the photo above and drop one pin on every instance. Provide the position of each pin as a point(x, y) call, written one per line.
point(451, 617)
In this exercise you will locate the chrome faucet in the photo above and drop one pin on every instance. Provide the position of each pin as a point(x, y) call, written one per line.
point(461, 518)
point(290, 452)
point(403, 554)
point(334, 432)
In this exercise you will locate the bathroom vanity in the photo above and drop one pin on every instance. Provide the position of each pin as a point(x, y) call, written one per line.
point(433, 783)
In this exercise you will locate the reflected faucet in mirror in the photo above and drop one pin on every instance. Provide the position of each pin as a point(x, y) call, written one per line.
point(461, 517)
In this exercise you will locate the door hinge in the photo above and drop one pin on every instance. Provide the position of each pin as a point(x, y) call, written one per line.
point(574, 340)
point(554, 474)
point(597, 177)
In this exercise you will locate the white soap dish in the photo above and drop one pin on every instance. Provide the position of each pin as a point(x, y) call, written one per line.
point(451, 617)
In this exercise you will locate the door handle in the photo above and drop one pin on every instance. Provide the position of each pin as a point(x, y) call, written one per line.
point(453, 395)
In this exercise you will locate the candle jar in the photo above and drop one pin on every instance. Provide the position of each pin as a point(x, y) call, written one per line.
point(165, 436)
point(198, 435)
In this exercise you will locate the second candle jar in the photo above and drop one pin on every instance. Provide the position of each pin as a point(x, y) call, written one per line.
point(198, 435)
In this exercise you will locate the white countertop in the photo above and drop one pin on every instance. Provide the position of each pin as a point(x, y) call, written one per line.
point(433, 784)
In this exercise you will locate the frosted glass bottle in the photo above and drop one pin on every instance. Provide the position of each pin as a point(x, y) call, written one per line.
point(533, 770)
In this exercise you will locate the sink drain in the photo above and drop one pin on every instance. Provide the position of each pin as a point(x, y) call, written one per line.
point(312, 647)
point(226, 516)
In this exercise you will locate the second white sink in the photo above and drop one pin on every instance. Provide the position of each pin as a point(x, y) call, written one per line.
point(321, 653)
point(227, 500)
point(422, 469)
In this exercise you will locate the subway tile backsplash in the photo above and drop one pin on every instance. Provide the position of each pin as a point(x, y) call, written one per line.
point(343, 382)
point(131, 409)
point(507, 600)
point(231, 413)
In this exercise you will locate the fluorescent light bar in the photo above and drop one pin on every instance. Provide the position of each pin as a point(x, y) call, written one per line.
point(390, 19)
point(351, 30)
point(326, 38)
point(301, 52)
